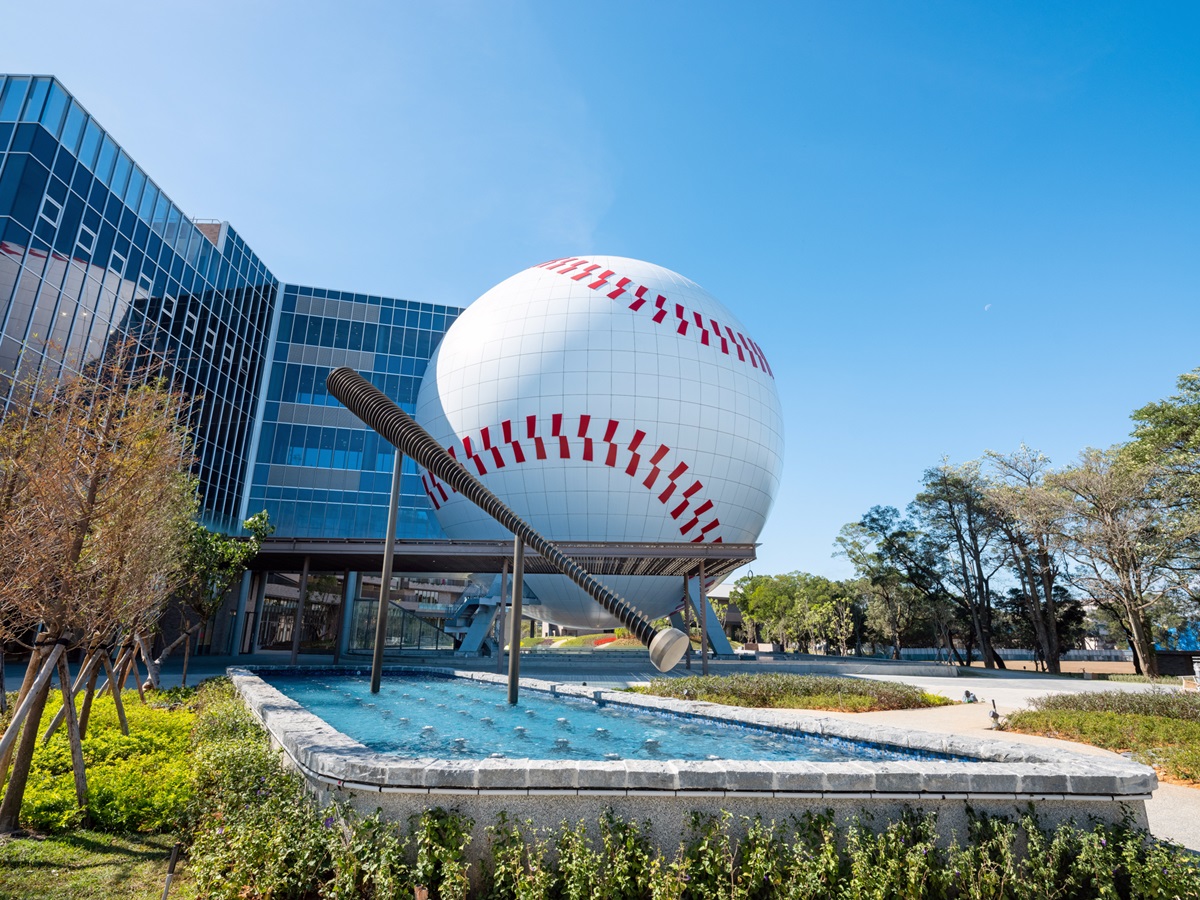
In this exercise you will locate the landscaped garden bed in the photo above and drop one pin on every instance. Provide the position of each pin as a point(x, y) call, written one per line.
point(1160, 728)
point(782, 691)
point(254, 832)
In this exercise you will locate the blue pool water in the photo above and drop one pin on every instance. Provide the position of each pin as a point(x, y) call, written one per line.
point(451, 718)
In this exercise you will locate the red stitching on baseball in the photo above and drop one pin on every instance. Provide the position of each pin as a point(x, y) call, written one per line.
point(434, 488)
point(747, 350)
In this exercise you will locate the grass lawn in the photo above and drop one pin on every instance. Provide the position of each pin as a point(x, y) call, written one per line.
point(89, 865)
point(779, 691)
point(1159, 728)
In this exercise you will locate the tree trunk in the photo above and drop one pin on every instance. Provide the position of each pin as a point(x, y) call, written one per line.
point(187, 652)
point(152, 680)
point(89, 666)
point(1143, 647)
point(14, 796)
point(8, 739)
point(1053, 647)
point(131, 668)
point(170, 648)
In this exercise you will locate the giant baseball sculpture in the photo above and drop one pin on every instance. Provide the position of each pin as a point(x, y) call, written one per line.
point(375, 409)
point(605, 399)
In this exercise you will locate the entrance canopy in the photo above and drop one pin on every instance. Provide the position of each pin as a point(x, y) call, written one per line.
point(598, 558)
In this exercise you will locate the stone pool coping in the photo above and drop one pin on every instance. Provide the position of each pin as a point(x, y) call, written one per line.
point(1004, 771)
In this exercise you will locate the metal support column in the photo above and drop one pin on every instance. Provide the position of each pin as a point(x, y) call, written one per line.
point(687, 623)
point(348, 611)
point(298, 621)
point(239, 616)
point(703, 624)
point(385, 579)
point(500, 619)
point(514, 648)
point(697, 599)
point(260, 598)
point(339, 622)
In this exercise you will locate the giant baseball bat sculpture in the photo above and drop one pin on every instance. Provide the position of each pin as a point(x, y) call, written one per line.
point(396, 426)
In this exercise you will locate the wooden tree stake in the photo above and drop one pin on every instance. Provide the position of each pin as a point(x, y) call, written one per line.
point(89, 666)
point(86, 710)
point(64, 681)
point(116, 692)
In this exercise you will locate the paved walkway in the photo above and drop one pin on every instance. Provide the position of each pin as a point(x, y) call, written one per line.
point(1174, 811)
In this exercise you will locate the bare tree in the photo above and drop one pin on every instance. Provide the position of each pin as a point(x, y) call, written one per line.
point(97, 497)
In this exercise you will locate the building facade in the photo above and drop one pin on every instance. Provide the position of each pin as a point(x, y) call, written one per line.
point(93, 254)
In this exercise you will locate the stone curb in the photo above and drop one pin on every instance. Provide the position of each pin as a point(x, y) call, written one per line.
point(992, 769)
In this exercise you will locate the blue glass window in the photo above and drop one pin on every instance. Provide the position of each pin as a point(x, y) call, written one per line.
point(74, 127)
point(56, 105)
point(159, 219)
point(136, 180)
point(104, 163)
point(291, 382)
point(325, 454)
point(37, 97)
point(304, 390)
point(91, 144)
point(121, 174)
point(149, 196)
point(313, 338)
point(14, 97)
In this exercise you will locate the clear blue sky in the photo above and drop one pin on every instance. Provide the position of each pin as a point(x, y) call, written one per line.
point(952, 227)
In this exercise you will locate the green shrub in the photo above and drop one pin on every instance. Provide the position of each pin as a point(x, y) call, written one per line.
point(441, 838)
point(1165, 704)
point(136, 782)
point(815, 867)
point(520, 866)
point(782, 691)
point(902, 861)
point(762, 861)
point(1170, 744)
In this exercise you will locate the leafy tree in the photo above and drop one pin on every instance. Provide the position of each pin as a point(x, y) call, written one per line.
point(212, 564)
point(922, 561)
point(1117, 526)
point(893, 605)
point(1166, 442)
point(768, 602)
point(1014, 627)
point(828, 612)
point(962, 526)
point(1027, 516)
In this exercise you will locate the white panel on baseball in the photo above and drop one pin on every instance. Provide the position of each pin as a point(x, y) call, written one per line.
point(605, 399)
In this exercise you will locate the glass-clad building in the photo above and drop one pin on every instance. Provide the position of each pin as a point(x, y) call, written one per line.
point(319, 471)
point(94, 255)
